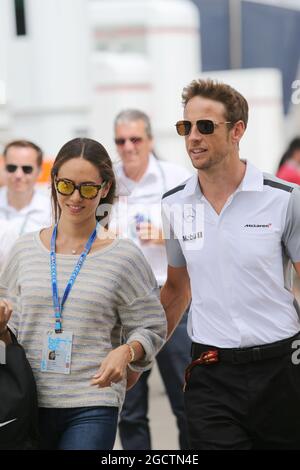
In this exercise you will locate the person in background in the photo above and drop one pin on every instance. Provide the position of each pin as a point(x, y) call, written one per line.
point(289, 166)
point(289, 170)
point(74, 290)
point(138, 216)
point(23, 208)
point(8, 235)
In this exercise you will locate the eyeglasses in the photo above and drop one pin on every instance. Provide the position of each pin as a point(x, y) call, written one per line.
point(204, 126)
point(27, 169)
point(135, 140)
point(86, 190)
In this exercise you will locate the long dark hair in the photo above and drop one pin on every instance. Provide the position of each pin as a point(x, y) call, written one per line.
point(95, 153)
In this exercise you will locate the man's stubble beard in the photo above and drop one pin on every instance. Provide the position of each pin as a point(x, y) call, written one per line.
point(209, 163)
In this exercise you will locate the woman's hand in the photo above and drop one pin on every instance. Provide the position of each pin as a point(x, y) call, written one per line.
point(132, 378)
point(5, 314)
point(113, 367)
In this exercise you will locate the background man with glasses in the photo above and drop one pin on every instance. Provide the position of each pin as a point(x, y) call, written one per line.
point(233, 257)
point(144, 179)
point(23, 208)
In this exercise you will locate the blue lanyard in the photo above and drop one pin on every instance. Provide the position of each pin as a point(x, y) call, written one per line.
point(58, 307)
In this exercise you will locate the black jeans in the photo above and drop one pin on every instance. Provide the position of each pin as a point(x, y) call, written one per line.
point(244, 406)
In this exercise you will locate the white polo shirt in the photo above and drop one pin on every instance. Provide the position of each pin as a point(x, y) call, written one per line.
point(142, 200)
point(14, 223)
point(239, 261)
point(8, 235)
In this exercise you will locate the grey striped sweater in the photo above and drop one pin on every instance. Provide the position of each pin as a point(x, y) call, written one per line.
point(114, 296)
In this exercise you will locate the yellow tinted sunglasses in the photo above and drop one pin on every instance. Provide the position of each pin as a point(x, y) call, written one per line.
point(86, 190)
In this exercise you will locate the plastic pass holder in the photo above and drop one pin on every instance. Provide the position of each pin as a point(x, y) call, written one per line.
point(57, 352)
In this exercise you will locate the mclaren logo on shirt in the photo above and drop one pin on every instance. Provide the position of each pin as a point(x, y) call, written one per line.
point(258, 225)
point(192, 236)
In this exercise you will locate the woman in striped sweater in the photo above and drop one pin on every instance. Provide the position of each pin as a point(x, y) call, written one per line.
point(88, 298)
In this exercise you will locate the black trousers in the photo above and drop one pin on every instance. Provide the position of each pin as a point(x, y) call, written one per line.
point(244, 406)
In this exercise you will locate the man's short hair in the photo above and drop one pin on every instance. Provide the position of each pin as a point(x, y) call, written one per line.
point(236, 106)
point(129, 115)
point(26, 144)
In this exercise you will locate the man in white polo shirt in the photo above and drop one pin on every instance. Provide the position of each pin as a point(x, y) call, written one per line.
point(144, 179)
point(23, 208)
point(232, 233)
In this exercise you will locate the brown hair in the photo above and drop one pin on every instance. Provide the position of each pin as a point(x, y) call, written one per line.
point(236, 106)
point(95, 153)
point(26, 144)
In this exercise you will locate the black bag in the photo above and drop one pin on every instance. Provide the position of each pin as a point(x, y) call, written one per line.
point(18, 401)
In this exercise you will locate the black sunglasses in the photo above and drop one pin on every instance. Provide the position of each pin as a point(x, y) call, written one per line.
point(86, 190)
point(27, 169)
point(204, 126)
point(135, 140)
